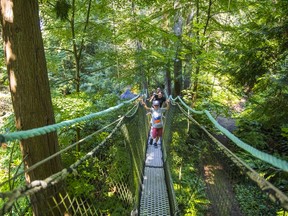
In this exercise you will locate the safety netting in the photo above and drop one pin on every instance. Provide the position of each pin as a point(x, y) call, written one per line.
point(209, 177)
point(104, 178)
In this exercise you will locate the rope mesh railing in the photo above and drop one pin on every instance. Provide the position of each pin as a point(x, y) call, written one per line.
point(104, 181)
point(50, 128)
point(135, 131)
point(168, 127)
point(107, 179)
point(281, 164)
point(223, 174)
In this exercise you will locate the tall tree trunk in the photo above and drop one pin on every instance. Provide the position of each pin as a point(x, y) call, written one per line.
point(198, 52)
point(168, 79)
point(29, 86)
point(188, 66)
point(201, 45)
point(167, 70)
point(177, 74)
point(78, 48)
point(141, 78)
point(177, 61)
point(77, 51)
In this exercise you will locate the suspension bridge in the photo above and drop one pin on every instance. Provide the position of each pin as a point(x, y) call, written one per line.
point(121, 174)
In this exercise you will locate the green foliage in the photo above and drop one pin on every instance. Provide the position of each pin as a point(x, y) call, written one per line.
point(250, 132)
point(254, 202)
point(263, 132)
point(62, 8)
point(10, 157)
point(120, 168)
point(68, 108)
point(284, 132)
point(3, 78)
point(11, 164)
point(268, 104)
point(9, 124)
point(240, 50)
point(255, 62)
point(72, 106)
point(103, 179)
point(190, 191)
point(216, 98)
point(188, 185)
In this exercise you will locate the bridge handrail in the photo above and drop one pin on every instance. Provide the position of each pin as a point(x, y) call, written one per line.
point(279, 163)
point(38, 185)
point(51, 128)
point(264, 185)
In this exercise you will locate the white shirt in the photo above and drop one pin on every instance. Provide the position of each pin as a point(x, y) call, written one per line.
point(156, 120)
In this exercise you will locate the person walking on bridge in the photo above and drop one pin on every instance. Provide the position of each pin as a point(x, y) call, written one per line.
point(156, 119)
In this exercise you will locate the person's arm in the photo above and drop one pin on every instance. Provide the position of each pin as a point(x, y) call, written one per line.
point(167, 104)
point(152, 97)
point(145, 106)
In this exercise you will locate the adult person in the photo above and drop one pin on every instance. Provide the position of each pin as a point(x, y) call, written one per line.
point(158, 90)
point(156, 119)
point(159, 97)
point(154, 93)
point(151, 95)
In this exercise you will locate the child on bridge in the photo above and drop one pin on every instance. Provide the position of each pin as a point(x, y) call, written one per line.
point(157, 120)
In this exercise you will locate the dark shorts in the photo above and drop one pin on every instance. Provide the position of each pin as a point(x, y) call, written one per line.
point(157, 132)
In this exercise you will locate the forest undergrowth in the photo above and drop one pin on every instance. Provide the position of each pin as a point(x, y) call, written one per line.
point(202, 178)
point(5, 104)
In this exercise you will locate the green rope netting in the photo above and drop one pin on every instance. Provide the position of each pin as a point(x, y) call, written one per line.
point(281, 164)
point(222, 170)
point(50, 128)
point(107, 179)
point(104, 181)
point(167, 138)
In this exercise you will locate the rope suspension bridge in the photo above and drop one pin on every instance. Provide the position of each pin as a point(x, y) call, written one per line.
point(121, 174)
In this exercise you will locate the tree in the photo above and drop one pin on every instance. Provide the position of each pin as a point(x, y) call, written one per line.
point(178, 25)
point(29, 86)
point(167, 64)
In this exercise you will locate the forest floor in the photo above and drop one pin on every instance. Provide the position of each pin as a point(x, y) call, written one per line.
point(5, 104)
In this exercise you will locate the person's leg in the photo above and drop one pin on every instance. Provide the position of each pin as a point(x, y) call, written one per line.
point(150, 136)
point(155, 136)
point(153, 133)
point(159, 134)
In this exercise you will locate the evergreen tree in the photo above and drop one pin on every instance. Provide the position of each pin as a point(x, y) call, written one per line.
point(29, 86)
